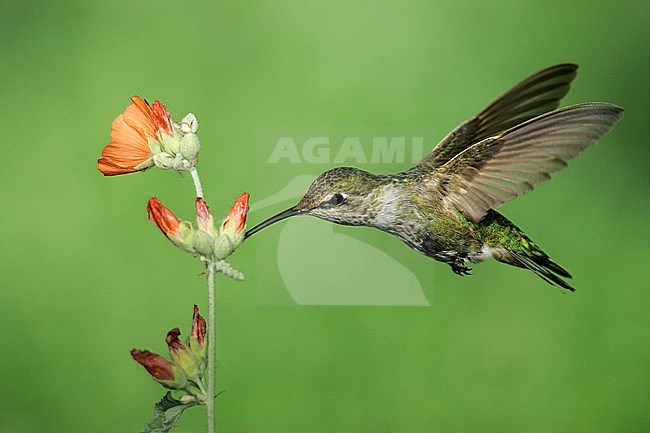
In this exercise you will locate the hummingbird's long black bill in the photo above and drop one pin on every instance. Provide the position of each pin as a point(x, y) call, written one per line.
point(274, 219)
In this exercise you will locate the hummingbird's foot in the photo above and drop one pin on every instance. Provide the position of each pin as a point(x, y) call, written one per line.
point(459, 268)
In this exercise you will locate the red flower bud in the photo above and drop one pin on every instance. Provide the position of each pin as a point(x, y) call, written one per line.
point(177, 231)
point(163, 217)
point(203, 218)
point(236, 219)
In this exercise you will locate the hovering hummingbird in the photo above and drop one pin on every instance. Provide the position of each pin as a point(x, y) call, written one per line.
point(444, 207)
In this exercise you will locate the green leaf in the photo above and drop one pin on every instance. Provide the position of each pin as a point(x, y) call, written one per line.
point(165, 414)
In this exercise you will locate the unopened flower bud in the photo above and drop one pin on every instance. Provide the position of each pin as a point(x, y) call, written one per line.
point(177, 231)
point(190, 147)
point(202, 242)
point(189, 124)
point(204, 219)
point(181, 355)
point(187, 399)
point(235, 222)
point(223, 247)
point(163, 370)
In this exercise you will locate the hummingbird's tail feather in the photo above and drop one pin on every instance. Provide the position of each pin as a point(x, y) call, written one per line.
point(542, 266)
point(557, 268)
point(508, 244)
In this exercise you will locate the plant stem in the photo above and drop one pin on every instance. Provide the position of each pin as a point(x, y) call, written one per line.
point(197, 182)
point(212, 348)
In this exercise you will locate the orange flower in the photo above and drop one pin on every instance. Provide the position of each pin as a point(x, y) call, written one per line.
point(129, 149)
point(236, 219)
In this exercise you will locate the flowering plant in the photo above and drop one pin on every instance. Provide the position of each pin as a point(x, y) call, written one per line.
point(143, 137)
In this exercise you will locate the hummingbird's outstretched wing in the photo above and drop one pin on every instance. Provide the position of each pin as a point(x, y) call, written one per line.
point(537, 94)
point(500, 168)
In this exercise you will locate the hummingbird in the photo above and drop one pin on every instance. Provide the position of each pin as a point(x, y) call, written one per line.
point(444, 207)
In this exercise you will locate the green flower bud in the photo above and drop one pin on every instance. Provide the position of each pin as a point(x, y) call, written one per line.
point(222, 247)
point(189, 124)
point(202, 242)
point(190, 147)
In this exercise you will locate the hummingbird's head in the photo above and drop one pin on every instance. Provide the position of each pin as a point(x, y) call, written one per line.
point(341, 195)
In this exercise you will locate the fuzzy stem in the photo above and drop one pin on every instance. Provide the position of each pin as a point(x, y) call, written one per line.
point(212, 348)
point(197, 182)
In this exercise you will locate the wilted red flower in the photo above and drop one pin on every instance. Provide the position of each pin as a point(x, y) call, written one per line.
point(129, 149)
point(173, 342)
point(162, 369)
point(196, 341)
point(199, 327)
point(236, 219)
point(166, 221)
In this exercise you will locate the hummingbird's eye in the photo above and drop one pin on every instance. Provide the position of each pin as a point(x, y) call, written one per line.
point(336, 200)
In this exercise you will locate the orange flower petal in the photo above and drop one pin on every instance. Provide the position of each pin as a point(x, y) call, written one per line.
point(139, 115)
point(109, 169)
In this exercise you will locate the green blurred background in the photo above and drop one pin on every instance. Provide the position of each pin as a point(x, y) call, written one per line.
point(85, 277)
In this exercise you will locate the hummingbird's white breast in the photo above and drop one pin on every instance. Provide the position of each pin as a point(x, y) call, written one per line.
point(387, 209)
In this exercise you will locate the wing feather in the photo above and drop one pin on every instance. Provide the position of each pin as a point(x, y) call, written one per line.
point(535, 95)
point(500, 168)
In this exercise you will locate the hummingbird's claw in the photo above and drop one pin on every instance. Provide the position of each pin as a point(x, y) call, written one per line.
point(459, 268)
